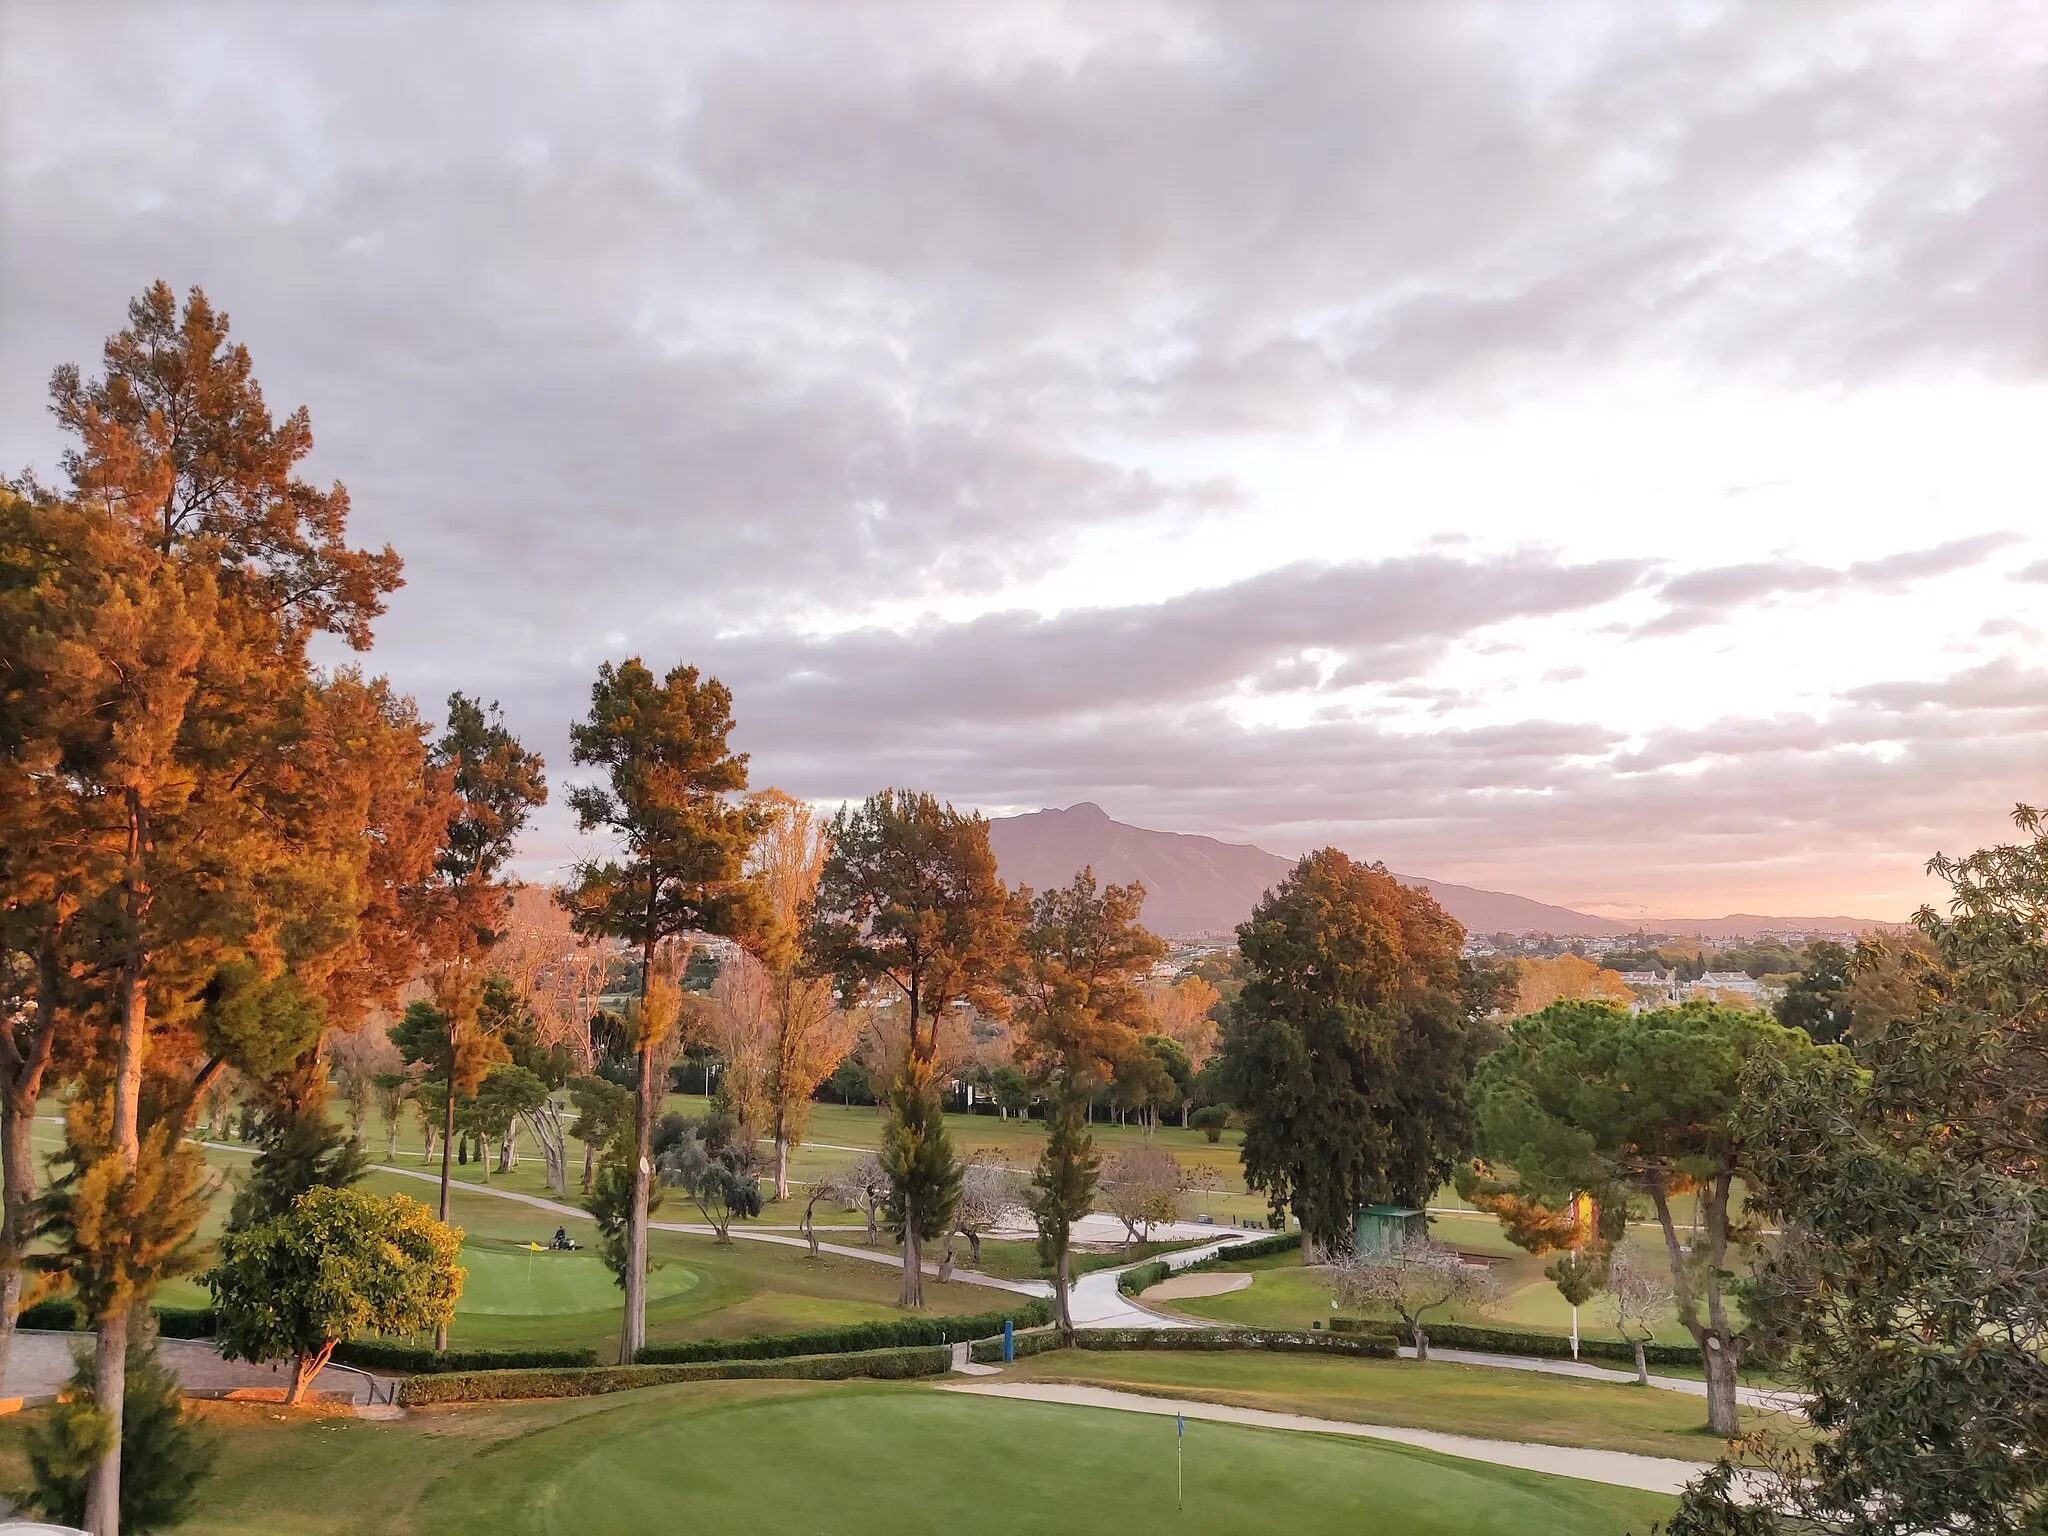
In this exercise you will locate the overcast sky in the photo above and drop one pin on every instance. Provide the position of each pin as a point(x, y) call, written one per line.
point(1588, 450)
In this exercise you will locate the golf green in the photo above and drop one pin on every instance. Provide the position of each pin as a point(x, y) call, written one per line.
point(508, 1279)
point(880, 1461)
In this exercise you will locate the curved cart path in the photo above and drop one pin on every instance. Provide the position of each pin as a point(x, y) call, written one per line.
point(1623, 1469)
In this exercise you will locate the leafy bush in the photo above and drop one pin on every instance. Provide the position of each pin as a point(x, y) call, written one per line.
point(494, 1386)
point(58, 1314)
point(165, 1455)
point(186, 1322)
point(388, 1355)
point(896, 1333)
point(1140, 1276)
point(1210, 1121)
point(1516, 1341)
point(1279, 1341)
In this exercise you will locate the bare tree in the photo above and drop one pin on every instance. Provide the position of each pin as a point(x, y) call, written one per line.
point(1637, 1295)
point(990, 1195)
point(1413, 1280)
point(859, 1186)
point(1142, 1188)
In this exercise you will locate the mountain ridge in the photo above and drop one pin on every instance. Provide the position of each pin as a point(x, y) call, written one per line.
point(1203, 885)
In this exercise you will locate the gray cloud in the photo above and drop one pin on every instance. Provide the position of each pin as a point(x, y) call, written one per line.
point(1709, 596)
point(685, 329)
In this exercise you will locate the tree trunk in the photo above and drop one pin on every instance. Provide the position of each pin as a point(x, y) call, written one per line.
point(633, 1330)
point(305, 1368)
point(781, 1164)
point(1724, 1415)
point(974, 1247)
point(946, 1260)
point(913, 1261)
point(508, 1148)
point(447, 1142)
point(24, 1067)
point(589, 1153)
point(110, 1350)
point(1062, 1288)
point(1642, 1366)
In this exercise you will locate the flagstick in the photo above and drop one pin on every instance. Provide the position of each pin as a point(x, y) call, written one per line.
point(1179, 1434)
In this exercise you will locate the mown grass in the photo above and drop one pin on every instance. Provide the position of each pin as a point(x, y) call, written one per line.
point(1458, 1399)
point(854, 1459)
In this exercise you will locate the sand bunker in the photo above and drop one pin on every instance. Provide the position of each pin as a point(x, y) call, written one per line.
point(1213, 1283)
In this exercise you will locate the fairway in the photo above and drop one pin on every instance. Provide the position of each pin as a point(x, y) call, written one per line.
point(508, 1279)
point(857, 1460)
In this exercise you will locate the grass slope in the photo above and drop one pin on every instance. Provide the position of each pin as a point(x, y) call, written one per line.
point(1459, 1399)
point(855, 1459)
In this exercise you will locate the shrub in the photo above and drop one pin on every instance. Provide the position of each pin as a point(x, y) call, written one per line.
point(1141, 1276)
point(1037, 1342)
point(165, 1455)
point(1250, 1248)
point(61, 1314)
point(388, 1355)
point(1210, 1121)
point(895, 1333)
point(58, 1314)
point(1517, 1341)
point(1279, 1341)
point(494, 1386)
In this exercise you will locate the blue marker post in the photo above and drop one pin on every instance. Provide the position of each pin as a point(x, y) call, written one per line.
point(1009, 1341)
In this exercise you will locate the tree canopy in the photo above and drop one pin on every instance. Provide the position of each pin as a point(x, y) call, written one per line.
point(1349, 1048)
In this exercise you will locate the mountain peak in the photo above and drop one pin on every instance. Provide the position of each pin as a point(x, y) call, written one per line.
point(1086, 810)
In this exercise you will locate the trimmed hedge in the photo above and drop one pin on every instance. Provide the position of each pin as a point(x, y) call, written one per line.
point(1279, 1341)
point(498, 1386)
point(1036, 1342)
point(387, 1355)
point(1517, 1341)
point(1251, 1248)
point(1138, 1277)
point(895, 1333)
point(62, 1314)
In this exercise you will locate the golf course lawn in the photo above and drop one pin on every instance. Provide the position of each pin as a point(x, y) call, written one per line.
point(849, 1459)
point(1458, 1399)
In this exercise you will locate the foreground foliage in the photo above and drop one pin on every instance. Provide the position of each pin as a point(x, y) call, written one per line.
point(1910, 1297)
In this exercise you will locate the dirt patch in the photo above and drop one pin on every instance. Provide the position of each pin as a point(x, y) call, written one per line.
point(1209, 1283)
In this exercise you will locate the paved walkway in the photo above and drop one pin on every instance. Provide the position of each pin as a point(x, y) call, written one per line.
point(41, 1364)
point(875, 1255)
point(1655, 1474)
point(1751, 1397)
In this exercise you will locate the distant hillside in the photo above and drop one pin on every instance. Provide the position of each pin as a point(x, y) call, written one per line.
point(1198, 885)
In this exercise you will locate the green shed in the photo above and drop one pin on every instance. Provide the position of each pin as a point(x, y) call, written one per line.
point(1387, 1228)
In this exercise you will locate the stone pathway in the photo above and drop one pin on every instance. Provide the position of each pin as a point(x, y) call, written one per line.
point(41, 1364)
point(1622, 1469)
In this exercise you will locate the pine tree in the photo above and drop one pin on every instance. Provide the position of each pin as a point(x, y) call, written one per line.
point(1062, 1192)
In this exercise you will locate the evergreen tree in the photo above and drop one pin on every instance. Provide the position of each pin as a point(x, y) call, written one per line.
point(1062, 1192)
point(1350, 1047)
point(165, 1454)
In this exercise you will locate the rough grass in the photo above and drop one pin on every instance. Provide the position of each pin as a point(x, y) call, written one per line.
point(1459, 1399)
point(852, 1459)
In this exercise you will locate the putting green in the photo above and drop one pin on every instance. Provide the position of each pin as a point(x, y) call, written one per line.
point(507, 1279)
point(860, 1460)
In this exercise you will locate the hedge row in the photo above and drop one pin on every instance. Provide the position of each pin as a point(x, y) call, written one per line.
point(1517, 1341)
point(1251, 1248)
point(1279, 1341)
point(387, 1355)
point(1141, 1276)
point(1036, 1342)
point(62, 1314)
point(495, 1386)
point(896, 1333)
